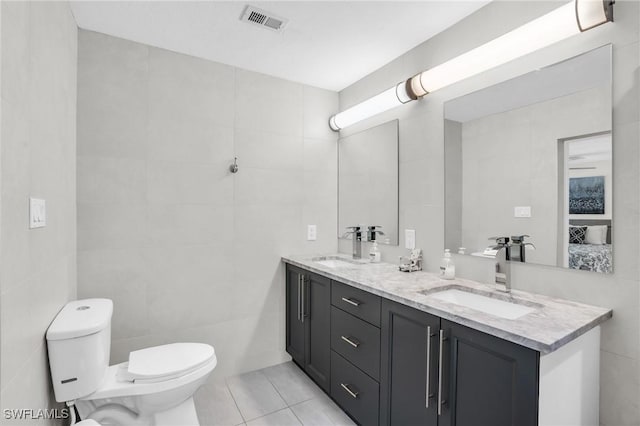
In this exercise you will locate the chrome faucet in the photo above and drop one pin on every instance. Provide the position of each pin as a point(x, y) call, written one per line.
point(518, 251)
point(373, 231)
point(356, 237)
point(503, 263)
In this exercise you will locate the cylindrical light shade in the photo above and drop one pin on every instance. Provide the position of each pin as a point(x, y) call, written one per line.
point(572, 18)
point(386, 100)
point(539, 33)
point(591, 13)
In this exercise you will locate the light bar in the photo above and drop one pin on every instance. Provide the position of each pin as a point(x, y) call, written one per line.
point(568, 20)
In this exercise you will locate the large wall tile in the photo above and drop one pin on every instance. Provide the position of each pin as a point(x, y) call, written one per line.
point(192, 183)
point(196, 142)
point(112, 96)
point(187, 250)
point(265, 150)
point(268, 103)
point(111, 180)
point(185, 88)
point(319, 106)
point(38, 121)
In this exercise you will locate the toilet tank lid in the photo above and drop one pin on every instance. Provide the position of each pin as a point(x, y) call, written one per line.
point(81, 318)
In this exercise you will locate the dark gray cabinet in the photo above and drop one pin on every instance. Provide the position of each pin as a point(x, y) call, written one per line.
point(354, 391)
point(409, 366)
point(436, 372)
point(386, 363)
point(308, 326)
point(490, 382)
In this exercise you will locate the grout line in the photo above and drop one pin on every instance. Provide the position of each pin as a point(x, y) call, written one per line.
point(234, 401)
point(274, 386)
point(296, 416)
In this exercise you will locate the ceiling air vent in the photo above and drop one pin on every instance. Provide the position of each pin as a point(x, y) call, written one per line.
point(262, 18)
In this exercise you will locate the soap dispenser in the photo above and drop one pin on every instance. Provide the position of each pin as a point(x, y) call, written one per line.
point(447, 267)
point(374, 253)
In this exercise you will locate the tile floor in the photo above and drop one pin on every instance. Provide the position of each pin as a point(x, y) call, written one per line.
point(281, 395)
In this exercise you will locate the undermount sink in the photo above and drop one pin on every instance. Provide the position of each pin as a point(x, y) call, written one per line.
point(491, 305)
point(335, 262)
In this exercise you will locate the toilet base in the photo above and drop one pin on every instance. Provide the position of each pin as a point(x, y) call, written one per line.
point(183, 414)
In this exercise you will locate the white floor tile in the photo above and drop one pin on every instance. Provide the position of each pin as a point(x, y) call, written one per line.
point(216, 407)
point(321, 411)
point(280, 418)
point(255, 395)
point(291, 383)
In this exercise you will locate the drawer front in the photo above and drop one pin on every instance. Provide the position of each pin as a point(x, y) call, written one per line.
point(364, 305)
point(357, 341)
point(354, 391)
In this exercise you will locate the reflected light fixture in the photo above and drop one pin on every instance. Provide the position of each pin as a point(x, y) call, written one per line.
point(572, 18)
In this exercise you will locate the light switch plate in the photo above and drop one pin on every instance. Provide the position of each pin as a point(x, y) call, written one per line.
point(409, 239)
point(522, 211)
point(312, 232)
point(37, 213)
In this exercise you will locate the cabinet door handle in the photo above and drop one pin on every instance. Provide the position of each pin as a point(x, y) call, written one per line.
point(349, 391)
point(440, 356)
point(428, 378)
point(302, 279)
point(351, 301)
point(299, 297)
point(350, 341)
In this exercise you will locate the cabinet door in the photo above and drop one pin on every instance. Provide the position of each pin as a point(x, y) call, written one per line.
point(295, 326)
point(409, 366)
point(487, 381)
point(316, 316)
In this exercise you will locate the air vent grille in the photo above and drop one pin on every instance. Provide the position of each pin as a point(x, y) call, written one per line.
point(265, 19)
point(256, 17)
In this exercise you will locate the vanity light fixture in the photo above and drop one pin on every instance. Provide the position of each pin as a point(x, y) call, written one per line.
point(572, 18)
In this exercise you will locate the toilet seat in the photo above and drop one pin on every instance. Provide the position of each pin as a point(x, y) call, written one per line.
point(117, 384)
point(165, 362)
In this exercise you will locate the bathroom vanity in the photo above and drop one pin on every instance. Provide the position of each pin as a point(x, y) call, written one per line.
point(393, 348)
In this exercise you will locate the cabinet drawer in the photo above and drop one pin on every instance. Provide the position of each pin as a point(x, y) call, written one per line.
point(354, 391)
point(364, 305)
point(357, 341)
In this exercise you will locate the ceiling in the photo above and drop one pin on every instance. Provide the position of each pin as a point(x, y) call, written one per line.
point(327, 44)
point(590, 149)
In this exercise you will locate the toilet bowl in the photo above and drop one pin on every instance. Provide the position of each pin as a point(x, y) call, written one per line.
point(155, 386)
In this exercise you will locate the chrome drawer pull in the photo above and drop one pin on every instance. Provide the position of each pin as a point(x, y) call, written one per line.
point(351, 301)
point(440, 400)
point(304, 302)
point(428, 396)
point(299, 298)
point(355, 344)
point(349, 391)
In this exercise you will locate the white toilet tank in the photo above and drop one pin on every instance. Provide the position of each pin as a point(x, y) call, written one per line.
point(79, 341)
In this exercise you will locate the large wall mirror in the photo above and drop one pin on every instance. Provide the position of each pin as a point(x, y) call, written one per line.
point(368, 182)
point(532, 156)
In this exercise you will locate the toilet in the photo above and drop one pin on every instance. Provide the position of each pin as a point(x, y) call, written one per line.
point(155, 387)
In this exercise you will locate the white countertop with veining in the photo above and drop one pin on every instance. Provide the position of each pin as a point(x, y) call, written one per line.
point(554, 322)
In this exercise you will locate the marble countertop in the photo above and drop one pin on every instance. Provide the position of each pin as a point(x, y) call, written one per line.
point(553, 323)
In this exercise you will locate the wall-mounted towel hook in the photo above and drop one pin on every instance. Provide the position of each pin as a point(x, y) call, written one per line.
point(234, 167)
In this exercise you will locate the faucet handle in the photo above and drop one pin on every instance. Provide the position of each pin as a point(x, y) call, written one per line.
point(519, 239)
point(373, 231)
point(501, 241)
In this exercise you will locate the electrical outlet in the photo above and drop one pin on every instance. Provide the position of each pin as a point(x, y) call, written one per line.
point(409, 239)
point(37, 213)
point(522, 211)
point(312, 232)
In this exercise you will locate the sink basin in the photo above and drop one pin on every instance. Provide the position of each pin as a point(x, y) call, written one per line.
point(335, 262)
point(489, 305)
